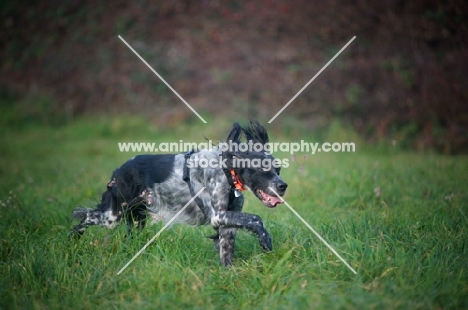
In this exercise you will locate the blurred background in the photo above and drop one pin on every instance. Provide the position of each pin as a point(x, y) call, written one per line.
point(403, 79)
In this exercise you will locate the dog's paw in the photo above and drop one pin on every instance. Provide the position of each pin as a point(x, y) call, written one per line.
point(227, 261)
point(265, 242)
point(226, 255)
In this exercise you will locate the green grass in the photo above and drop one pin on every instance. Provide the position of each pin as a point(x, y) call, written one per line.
point(408, 244)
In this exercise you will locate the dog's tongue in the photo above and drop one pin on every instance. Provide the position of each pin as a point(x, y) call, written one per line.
point(273, 200)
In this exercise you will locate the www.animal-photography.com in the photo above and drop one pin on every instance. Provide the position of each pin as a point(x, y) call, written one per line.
point(237, 155)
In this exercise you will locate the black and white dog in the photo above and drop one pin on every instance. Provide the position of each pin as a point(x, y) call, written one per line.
point(160, 185)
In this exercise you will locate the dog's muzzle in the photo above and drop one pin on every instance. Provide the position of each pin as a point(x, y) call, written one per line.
point(269, 197)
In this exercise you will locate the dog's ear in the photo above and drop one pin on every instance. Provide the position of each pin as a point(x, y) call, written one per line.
point(235, 133)
point(256, 132)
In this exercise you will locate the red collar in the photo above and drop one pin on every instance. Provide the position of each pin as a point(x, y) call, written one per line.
point(236, 181)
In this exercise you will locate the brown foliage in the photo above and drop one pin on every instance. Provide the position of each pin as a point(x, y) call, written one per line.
point(403, 78)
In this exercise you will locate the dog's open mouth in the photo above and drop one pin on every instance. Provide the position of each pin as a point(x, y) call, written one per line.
point(269, 200)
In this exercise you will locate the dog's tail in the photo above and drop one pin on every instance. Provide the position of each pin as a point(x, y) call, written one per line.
point(80, 213)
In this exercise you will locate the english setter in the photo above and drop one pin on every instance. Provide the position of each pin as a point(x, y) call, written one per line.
point(160, 185)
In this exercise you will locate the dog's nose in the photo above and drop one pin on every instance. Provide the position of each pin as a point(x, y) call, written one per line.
point(282, 186)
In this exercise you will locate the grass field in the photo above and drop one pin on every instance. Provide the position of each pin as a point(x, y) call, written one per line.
point(399, 218)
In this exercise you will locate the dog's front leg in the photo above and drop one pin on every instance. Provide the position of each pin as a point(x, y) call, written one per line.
point(251, 222)
point(227, 238)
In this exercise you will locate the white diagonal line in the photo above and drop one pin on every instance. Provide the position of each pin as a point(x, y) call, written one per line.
point(312, 80)
point(164, 81)
point(159, 232)
point(313, 230)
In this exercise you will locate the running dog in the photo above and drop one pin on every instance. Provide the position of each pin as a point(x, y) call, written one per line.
point(161, 185)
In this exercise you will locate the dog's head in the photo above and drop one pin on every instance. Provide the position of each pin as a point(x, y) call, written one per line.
point(253, 165)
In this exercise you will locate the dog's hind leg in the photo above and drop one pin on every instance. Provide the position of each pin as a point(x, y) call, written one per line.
point(135, 213)
point(136, 210)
